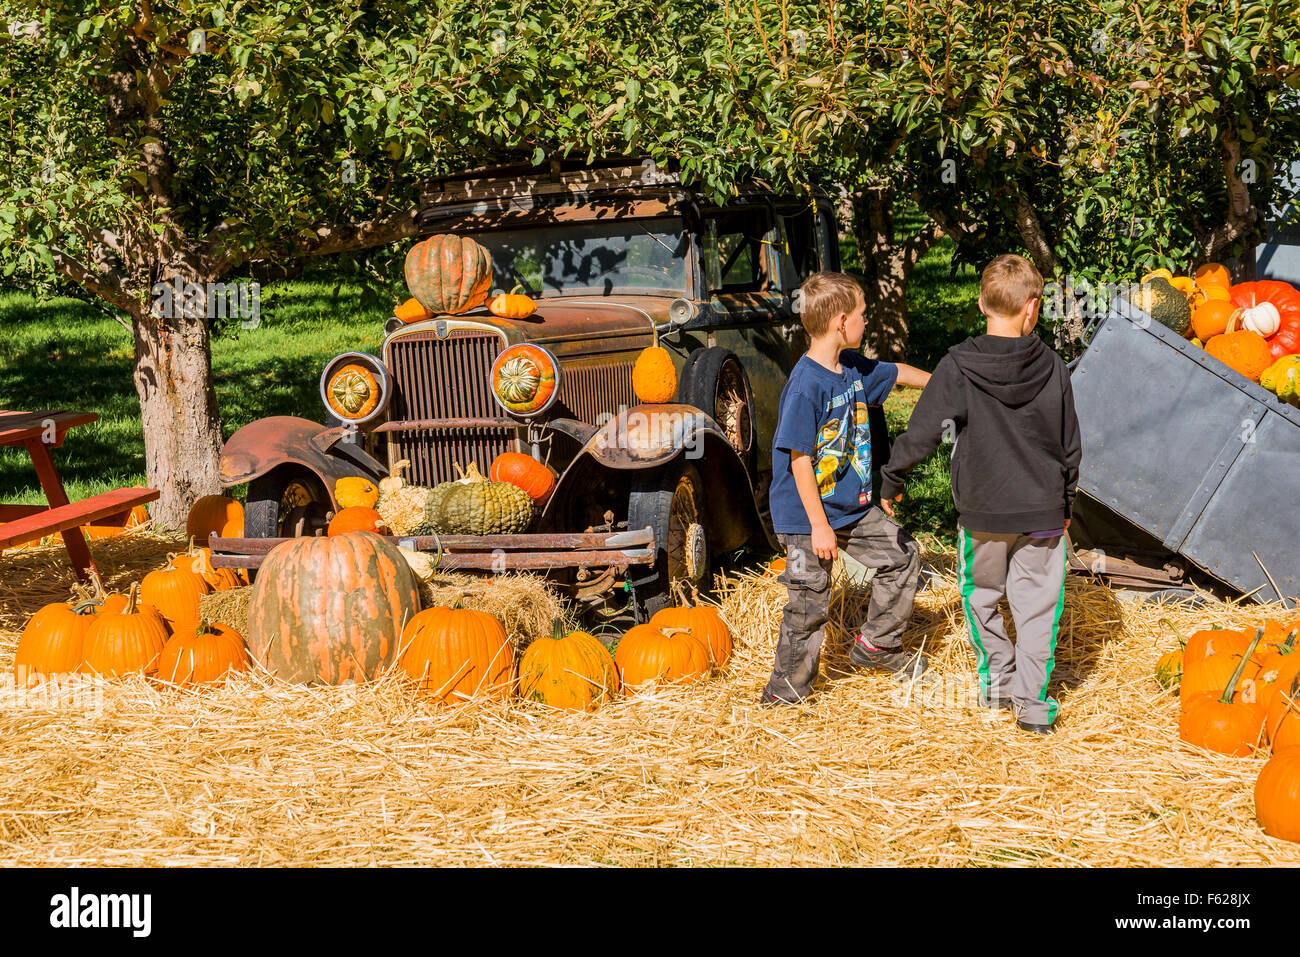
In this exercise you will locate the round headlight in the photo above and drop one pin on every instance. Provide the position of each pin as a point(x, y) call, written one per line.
point(355, 387)
point(525, 380)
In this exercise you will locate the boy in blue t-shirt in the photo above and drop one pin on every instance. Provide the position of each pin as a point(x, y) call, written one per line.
point(821, 493)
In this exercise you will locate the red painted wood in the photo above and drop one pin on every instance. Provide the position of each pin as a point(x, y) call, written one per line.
point(9, 512)
point(17, 428)
point(67, 517)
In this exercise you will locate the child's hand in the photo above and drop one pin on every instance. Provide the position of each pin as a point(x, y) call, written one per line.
point(824, 544)
point(888, 505)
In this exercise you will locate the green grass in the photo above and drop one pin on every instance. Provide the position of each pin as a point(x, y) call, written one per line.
point(65, 354)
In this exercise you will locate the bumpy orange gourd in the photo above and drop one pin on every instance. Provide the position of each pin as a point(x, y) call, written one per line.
point(215, 514)
point(353, 491)
point(358, 518)
point(202, 653)
point(126, 642)
point(526, 472)
point(1277, 795)
point(649, 655)
point(52, 642)
point(654, 379)
point(571, 671)
point(458, 654)
point(1217, 723)
point(1243, 350)
point(705, 624)
point(175, 591)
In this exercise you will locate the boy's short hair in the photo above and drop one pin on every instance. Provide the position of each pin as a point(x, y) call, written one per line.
point(823, 296)
point(1008, 283)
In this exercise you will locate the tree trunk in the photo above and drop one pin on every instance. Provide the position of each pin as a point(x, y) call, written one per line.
point(178, 403)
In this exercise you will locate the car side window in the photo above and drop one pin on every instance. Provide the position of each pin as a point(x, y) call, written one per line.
point(800, 256)
point(735, 249)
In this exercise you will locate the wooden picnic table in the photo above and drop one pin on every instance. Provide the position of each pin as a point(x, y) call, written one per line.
point(39, 432)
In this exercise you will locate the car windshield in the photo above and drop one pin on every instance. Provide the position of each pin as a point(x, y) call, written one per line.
point(590, 257)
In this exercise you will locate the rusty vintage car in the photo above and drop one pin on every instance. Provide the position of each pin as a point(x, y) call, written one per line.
point(646, 495)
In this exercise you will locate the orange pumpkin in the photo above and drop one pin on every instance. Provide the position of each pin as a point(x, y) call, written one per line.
point(1278, 668)
point(649, 655)
point(1211, 317)
point(202, 653)
point(705, 624)
point(526, 472)
point(199, 561)
point(512, 305)
point(330, 610)
point(1282, 726)
point(52, 642)
point(1245, 351)
point(1214, 721)
point(571, 671)
point(127, 642)
point(137, 517)
point(1214, 641)
point(449, 274)
point(1212, 274)
point(1277, 795)
point(458, 654)
point(354, 490)
point(175, 591)
point(217, 515)
point(358, 518)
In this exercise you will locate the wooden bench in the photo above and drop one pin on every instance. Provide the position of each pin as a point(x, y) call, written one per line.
point(39, 521)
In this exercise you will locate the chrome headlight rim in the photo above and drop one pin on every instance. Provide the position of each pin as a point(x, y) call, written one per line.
point(518, 350)
point(372, 364)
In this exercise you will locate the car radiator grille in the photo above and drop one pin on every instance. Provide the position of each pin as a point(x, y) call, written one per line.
point(445, 379)
point(590, 388)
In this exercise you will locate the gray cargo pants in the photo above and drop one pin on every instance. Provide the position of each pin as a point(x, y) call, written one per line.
point(878, 542)
point(1031, 573)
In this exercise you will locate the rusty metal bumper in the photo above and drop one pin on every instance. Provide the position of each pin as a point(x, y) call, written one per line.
point(527, 552)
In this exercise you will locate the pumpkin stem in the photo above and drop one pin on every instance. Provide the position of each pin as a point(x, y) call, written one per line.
point(130, 599)
point(1229, 691)
point(1182, 642)
point(654, 333)
point(674, 631)
point(1288, 646)
point(557, 628)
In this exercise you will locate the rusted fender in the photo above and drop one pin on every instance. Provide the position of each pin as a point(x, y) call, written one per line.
point(285, 439)
point(649, 435)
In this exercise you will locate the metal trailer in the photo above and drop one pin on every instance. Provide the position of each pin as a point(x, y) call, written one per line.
point(1201, 459)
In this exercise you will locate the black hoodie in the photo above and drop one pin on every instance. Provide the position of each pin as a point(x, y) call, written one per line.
point(1006, 403)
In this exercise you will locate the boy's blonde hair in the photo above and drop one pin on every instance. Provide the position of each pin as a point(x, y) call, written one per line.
point(823, 296)
point(1008, 283)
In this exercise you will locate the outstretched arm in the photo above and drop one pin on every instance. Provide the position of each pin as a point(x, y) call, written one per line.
point(911, 377)
point(941, 408)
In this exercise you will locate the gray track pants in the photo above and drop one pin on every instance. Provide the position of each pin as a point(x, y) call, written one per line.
point(878, 542)
point(1031, 573)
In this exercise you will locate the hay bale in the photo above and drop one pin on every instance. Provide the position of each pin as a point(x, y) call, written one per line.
point(230, 607)
point(526, 604)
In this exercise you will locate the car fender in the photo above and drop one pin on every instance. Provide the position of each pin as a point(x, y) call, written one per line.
point(268, 443)
point(652, 436)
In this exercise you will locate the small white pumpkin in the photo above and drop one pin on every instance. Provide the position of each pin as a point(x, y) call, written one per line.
point(1263, 318)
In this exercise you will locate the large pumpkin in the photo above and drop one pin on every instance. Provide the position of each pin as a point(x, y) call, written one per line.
point(126, 642)
point(52, 642)
point(217, 514)
point(1277, 795)
point(330, 610)
point(572, 671)
point(175, 591)
point(705, 624)
point(458, 654)
point(1245, 351)
point(1285, 298)
point(650, 654)
point(1214, 721)
point(202, 653)
point(449, 274)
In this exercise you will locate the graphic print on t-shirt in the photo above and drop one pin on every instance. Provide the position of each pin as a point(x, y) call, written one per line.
point(844, 442)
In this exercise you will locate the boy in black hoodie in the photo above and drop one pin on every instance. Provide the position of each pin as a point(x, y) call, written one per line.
point(1004, 399)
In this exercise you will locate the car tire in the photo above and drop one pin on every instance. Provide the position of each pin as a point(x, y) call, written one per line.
point(271, 499)
point(709, 377)
point(671, 502)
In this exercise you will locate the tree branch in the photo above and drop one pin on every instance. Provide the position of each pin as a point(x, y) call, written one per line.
point(1031, 233)
point(105, 284)
point(921, 243)
point(1242, 214)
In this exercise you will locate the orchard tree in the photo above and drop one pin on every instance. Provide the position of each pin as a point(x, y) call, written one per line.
point(151, 147)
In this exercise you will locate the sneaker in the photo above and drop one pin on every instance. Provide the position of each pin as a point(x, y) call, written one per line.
point(1034, 728)
point(894, 660)
point(766, 700)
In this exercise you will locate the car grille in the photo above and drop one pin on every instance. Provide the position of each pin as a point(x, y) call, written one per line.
point(595, 387)
point(445, 379)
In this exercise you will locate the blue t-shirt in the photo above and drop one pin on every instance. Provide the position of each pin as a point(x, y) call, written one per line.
point(824, 415)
